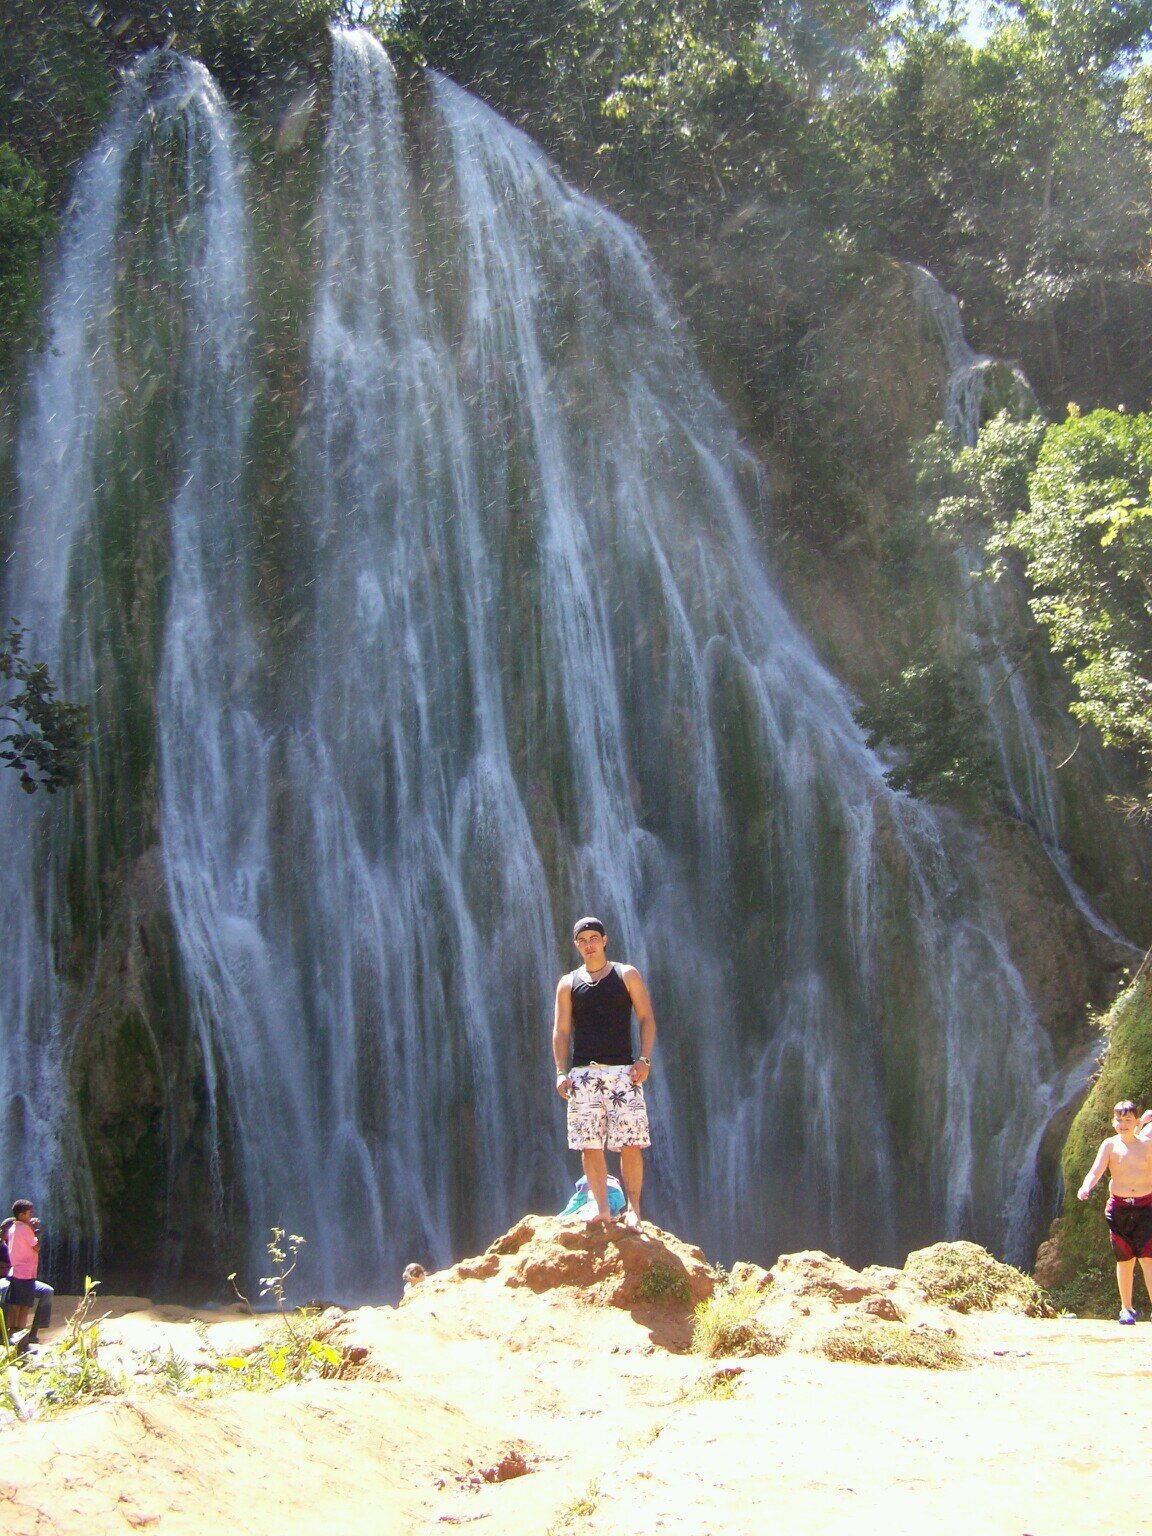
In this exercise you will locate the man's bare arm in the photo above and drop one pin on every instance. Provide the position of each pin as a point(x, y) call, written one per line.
point(1092, 1177)
point(642, 1003)
point(562, 1035)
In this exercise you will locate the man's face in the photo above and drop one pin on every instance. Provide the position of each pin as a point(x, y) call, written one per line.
point(1124, 1120)
point(591, 946)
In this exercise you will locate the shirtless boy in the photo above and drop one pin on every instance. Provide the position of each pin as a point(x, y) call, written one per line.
point(1127, 1157)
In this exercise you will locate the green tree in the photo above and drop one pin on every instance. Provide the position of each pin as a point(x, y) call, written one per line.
point(1013, 170)
point(25, 225)
point(1086, 536)
point(932, 718)
point(246, 42)
point(975, 490)
point(41, 736)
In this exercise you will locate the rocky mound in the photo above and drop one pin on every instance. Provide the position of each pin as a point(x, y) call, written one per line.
point(547, 1386)
point(604, 1266)
point(813, 1303)
point(957, 1277)
point(966, 1278)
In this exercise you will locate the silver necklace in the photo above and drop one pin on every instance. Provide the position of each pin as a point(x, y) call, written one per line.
point(604, 969)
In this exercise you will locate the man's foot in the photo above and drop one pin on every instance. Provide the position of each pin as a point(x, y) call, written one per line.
point(631, 1222)
point(1127, 1314)
point(599, 1221)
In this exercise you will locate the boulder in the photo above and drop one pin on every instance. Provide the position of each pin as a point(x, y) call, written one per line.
point(812, 1273)
point(606, 1266)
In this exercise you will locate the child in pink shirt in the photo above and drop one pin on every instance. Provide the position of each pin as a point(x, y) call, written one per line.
point(24, 1254)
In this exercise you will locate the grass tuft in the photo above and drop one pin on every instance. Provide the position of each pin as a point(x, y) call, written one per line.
point(580, 1508)
point(879, 1343)
point(726, 1324)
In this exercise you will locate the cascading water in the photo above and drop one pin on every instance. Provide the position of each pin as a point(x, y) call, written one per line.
point(536, 665)
point(72, 459)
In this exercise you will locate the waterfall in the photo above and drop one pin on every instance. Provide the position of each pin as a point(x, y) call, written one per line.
point(71, 458)
point(536, 665)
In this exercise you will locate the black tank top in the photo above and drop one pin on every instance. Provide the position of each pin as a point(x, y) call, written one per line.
point(601, 1021)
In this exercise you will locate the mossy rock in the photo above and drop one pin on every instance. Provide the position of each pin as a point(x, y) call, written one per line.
point(1075, 1264)
point(885, 1343)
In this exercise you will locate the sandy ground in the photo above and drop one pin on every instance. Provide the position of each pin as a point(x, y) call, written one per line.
point(527, 1407)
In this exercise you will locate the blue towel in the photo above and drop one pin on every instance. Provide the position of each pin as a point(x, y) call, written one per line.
point(583, 1197)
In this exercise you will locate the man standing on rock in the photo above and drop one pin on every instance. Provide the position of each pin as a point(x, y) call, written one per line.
point(1127, 1156)
point(596, 1071)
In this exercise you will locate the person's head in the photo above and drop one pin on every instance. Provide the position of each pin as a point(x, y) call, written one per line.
point(591, 939)
point(22, 1209)
point(1124, 1115)
point(414, 1274)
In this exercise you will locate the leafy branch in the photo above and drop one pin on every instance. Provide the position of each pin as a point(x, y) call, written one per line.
point(43, 736)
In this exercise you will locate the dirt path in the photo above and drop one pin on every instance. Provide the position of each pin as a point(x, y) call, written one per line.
point(620, 1433)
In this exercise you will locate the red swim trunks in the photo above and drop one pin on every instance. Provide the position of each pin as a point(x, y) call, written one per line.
point(1129, 1219)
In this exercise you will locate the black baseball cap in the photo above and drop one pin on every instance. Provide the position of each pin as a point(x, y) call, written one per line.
point(589, 922)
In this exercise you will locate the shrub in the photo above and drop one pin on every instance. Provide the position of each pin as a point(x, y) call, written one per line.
point(66, 1373)
point(664, 1283)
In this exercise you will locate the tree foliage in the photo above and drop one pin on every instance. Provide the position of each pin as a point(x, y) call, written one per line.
point(932, 718)
point(1086, 535)
point(1073, 501)
point(41, 735)
point(25, 224)
point(976, 489)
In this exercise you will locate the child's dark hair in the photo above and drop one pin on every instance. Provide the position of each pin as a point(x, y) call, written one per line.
point(1125, 1107)
point(20, 1206)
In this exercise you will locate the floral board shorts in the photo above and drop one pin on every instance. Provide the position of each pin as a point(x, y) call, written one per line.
point(606, 1109)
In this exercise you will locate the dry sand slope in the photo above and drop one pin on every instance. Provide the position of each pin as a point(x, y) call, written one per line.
point(535, 1390)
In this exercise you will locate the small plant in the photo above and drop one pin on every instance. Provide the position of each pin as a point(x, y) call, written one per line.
point(296, 1351)
point(726, 1324)
point(879, 1343)
point(581, 1508)
point(664, 1283)
point(720, 1384)
point(66, 1373)
point(172, 1373)
point(284, 1251)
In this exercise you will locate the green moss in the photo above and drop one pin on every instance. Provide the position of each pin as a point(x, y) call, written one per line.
point(1083, 1279)
point(666, 1284)
point(121, 1102)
